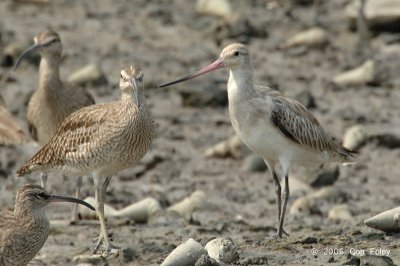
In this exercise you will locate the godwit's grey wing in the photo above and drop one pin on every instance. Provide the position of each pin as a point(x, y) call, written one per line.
point(294, 121)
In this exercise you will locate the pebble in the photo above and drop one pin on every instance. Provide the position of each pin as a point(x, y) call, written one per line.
point(340, 212)
point(89, 74)
point(205, 260)
point(185, 207)
point(222, 250)
point(219, 8)
point(355, 137)
point(231, 147)
point(322, 177)
point(361, 75)
point(185, 254)
point(314, 37)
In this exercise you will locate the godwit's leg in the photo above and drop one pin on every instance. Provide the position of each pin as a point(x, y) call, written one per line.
point(285, 201)
point(74, 217)
point(43, 179)
point(278, 194)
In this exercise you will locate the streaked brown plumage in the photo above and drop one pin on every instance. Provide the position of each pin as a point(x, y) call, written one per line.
point(101, 140)
point(279, 129)
point(10, 132)
point(24, 231)
point(54, 99)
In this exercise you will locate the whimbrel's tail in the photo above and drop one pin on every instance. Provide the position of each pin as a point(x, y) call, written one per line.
point(348, 156)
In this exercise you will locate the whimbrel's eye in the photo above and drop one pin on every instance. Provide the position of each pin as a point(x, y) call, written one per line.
point(41, 195)
point(236, 53)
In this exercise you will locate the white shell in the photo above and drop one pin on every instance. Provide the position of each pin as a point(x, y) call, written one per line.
point(140, 211)
point(358, 76)
point(340, 212)
point(185, 254)
point(220, 8)
point(222, 250)
point(354, 137)
point(309, 38)
point(230, 147)
point(88, 73)
point(188, 205)
point(388, 221)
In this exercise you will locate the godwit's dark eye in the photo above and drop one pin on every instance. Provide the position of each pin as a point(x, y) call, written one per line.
point(236, 53)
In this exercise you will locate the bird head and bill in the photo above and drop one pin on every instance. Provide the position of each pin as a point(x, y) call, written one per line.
point(131, 82)
point(34, 196)
point(232, 56)
point(45, 42)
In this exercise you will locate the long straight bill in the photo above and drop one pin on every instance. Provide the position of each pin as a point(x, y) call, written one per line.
point(211, 67)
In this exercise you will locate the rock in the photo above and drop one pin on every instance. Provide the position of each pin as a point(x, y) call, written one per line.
point(188, 205)
point(323, 177)
point(219, 8)
point(232, 147)
point(380, 14)
point(340, 212)
point(222, 250)
point(205, 260)
point(89, 74)
point(306, 98)
point(361, 75)
point(355, 137)
point(388, 221)
point(253, 163)
point(185, 254)
point(314, 37)
point(388, 140)
point(374, 260)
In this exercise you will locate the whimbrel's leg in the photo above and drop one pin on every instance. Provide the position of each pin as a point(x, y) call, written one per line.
point(74, 217)
point(100, 195)
point(285, 200)
point(43, 179)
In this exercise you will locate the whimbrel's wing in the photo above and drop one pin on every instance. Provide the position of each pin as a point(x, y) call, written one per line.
point(294, 121)
point(79, 139)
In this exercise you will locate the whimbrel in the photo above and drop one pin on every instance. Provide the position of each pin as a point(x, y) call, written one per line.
point(101, 140)
point(24, 231)
point(10, 132)
point(54, 99)
point(279, 129)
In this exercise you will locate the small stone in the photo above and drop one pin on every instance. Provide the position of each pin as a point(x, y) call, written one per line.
point(185, 254)
point(253, 163)
point(89, 74)
point(231, 147)
point(315, 37)
point(323, 177)
point(222, 250)
point(306, 98)
point(388, 140)
point(219, 8)
point(361, 75)
point(355, 137)
point(340, 212)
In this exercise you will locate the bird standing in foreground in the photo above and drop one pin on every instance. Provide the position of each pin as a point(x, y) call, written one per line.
point(279, 129)
point(101, 140)
point(24, 231)
point(54, 99)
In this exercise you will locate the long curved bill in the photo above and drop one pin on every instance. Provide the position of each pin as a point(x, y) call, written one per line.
point(211, 67)
point(56, 198)
point(24, 53)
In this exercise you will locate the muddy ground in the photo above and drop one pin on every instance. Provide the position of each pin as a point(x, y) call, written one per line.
point(169, 39)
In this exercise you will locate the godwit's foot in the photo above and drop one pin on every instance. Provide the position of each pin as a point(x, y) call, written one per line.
point(279, 234)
